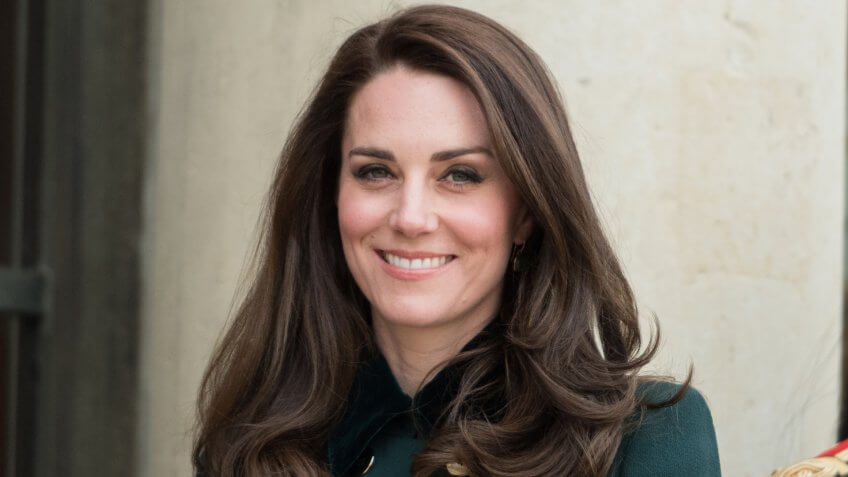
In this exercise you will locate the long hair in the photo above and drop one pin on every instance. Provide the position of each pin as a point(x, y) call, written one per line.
point(565, 365)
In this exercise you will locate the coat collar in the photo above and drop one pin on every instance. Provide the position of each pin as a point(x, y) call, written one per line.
point(375, 398)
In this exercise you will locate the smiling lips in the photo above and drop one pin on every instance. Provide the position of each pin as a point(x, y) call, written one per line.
point(414, 261)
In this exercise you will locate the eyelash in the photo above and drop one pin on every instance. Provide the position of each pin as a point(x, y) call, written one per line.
point(471, 177)
point(365, 171)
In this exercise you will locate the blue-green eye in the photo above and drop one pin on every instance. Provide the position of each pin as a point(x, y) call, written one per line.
point(463, 175)
point(373, 172)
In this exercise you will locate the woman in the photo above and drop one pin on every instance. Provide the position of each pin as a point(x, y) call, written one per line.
point(434, 293)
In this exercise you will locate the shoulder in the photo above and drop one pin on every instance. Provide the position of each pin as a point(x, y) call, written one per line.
point(674, 440)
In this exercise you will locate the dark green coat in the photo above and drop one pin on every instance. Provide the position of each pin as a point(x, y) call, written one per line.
point(377, 431)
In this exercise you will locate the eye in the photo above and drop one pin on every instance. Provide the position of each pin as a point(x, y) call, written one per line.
point(463, 176)
point(373, 172)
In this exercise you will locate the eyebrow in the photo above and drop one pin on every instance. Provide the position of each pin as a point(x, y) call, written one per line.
point(436, 157)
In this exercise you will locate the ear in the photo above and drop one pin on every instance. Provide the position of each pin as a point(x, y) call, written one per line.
point(523, 226)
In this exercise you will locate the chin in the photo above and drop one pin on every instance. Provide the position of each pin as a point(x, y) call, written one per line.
point(413, 315)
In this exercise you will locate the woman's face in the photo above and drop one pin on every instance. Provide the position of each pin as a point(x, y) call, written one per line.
point(426, 214)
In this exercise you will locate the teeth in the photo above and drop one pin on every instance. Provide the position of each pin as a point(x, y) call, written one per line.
point(416, 263)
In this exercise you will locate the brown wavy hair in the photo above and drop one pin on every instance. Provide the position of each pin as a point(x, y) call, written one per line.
point(566, 363)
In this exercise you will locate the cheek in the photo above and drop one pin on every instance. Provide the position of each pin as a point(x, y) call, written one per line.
point(358, 216)
point(484, 226)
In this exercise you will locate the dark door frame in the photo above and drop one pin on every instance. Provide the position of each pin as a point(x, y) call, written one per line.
point(79, 142)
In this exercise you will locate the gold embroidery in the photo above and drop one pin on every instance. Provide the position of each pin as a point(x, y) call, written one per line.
point(818, 467)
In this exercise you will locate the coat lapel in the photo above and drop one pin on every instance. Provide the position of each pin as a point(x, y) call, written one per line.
point(375, 398)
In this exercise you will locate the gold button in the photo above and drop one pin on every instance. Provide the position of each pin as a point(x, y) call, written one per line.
point(455, 468)
point(368, 467)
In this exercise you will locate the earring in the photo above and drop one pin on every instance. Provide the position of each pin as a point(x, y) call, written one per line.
point(516, 253)
point(455, 468)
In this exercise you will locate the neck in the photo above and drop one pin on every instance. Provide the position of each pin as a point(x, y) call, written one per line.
point(413, 352)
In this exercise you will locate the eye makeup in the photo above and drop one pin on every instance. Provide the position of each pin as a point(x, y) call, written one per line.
point(372, 172)
point(463, 175)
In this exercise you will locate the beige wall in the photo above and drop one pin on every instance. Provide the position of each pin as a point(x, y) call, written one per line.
point(712, 133)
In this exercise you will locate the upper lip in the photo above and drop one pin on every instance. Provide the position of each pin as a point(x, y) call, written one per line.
point(414, 253)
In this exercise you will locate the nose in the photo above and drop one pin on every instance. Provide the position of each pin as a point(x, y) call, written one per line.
point(414, 213)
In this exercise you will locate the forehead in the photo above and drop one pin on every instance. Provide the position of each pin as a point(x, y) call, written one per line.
point(404, 105)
